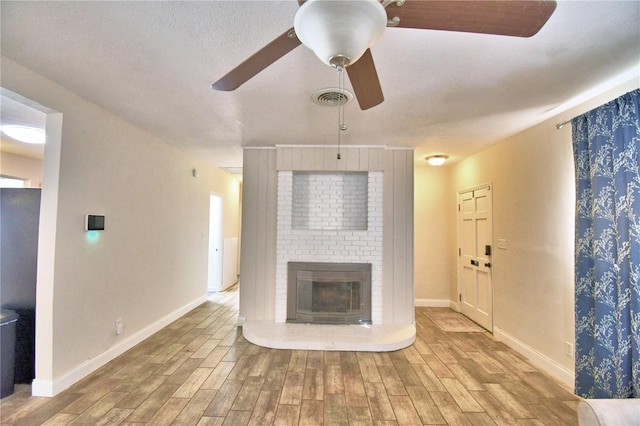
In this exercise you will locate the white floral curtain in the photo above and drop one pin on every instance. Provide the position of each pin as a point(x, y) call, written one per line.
point(606, 144)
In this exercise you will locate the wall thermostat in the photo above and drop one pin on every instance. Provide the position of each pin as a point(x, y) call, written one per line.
point(93, 222)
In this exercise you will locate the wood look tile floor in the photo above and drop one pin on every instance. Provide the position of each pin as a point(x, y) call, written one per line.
point(200, 371)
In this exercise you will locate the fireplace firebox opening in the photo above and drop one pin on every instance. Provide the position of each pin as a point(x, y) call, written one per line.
point(329, 293)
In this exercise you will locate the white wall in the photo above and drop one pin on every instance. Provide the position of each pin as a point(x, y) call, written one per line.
point(150, 263)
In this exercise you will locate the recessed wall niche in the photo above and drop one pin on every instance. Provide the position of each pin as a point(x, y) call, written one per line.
point(330, 200)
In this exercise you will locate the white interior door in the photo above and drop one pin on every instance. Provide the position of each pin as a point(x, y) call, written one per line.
point(475, 237)
point(215, 244)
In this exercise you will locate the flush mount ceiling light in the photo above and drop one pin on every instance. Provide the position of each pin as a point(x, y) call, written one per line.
point(436, 160)
point(337, 31)
point(24, 134)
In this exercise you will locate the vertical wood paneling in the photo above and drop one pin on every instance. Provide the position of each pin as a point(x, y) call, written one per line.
point(387, 238)
point(248, 254)
point(399, 236)
point(269, 277)
point(296, 159)
point(324, 159)
point(329, 159)
point(363, 159)
point(375, 159)
point(257, 263)
point(261, 238)
point(284, 158)
point(350, 160)
point(306, 160)
point(317, 159)
point(409, 314)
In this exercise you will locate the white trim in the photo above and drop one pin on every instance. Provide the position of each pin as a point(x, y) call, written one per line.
point(627, 77)
point(433, 303)
point(347, 147)
point(258, 147)
point(555, 370)
point(399, 148)
point(333, 146)
point(49, 388)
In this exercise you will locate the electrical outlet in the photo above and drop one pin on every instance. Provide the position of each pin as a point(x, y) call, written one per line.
point(568, 348)
point(119, 327)
point(502, 244)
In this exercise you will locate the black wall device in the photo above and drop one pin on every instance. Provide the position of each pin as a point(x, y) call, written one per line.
point(93, 223)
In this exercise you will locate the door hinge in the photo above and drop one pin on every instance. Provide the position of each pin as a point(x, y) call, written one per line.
point(459, 252)
point(460, 297)
point(458, 207)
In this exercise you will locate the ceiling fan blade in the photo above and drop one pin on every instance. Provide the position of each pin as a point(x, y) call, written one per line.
point(520, 18)
point(365, 82)
point(258, 61)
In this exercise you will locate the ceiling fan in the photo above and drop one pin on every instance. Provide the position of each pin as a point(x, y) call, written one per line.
point(341, 32)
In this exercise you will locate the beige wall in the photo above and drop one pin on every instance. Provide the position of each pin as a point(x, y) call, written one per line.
point(21, 167)
point(533, 209)
point(533, 199)
point(150, 263)
point(433, 225)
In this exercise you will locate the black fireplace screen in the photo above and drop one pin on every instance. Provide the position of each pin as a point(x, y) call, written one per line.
point(329, 293)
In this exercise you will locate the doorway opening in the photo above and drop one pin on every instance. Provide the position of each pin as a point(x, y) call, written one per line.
point(214, 281)
point(38, 167)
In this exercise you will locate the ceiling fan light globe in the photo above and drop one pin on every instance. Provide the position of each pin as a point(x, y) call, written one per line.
point(340, 28)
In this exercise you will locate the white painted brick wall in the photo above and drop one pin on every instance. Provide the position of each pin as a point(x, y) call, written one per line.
point(331, 244)
point(330, 201)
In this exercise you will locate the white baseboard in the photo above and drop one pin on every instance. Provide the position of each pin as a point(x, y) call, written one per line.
point(538, 359)
point(433, 303)
point(40, 387)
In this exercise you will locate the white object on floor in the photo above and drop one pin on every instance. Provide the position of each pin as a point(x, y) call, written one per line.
point(609, 412)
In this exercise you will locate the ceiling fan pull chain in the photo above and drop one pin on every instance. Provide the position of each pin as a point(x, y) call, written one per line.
point(343, 100)
point(340, 106)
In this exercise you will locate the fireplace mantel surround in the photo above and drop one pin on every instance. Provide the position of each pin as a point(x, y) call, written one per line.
point(266, 171)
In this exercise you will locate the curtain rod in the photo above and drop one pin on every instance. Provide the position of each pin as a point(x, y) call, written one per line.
point(561, 125)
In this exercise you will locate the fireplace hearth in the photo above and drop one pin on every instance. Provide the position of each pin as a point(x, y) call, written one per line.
point(329, 293)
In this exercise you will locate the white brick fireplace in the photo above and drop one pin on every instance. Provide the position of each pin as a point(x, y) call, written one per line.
point(330, 234)
point(301, 204)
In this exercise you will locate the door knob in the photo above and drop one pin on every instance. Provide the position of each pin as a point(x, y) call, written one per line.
point(488, 264)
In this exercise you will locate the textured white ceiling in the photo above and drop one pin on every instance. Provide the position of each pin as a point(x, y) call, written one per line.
point(153, 63)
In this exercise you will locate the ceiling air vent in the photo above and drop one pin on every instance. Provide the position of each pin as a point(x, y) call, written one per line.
point(332, 96)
